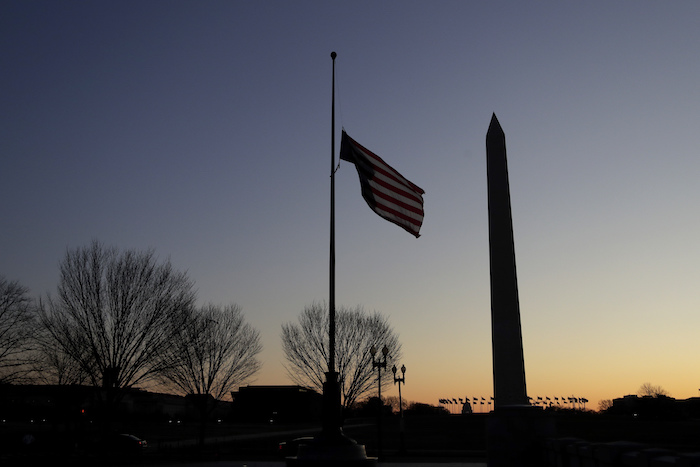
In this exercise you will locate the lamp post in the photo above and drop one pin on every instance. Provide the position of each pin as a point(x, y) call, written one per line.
point(379, 364)
point(401, 380)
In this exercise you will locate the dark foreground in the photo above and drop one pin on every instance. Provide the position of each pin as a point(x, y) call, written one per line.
point(437, 439)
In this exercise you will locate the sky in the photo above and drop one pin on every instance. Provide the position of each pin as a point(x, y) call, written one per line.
point(202, 130)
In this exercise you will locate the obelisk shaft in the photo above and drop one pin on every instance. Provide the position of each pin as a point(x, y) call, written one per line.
point(508, 362)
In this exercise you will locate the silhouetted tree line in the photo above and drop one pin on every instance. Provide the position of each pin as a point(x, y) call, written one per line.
point(371, 406)
point(651, 402)
point(122, 319)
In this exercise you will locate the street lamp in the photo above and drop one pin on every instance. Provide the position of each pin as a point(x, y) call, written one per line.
point(401, 380)
point(379, 364)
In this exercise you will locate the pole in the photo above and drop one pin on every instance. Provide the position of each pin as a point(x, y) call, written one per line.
point(401, 380)
point(332, 419)
point(381, 406)
point(331, 447)
point(331, 275)
point(402, 437)
point(379, 364)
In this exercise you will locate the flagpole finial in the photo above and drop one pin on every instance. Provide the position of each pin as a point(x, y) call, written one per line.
point(333, 55)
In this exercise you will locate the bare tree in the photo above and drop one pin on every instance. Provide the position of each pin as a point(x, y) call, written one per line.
point(305, 347)
point(648, 389)
point(215, 350)
point(393, 402)
point(16, 331)
point(51, 364)
point(604, 405)
point(112, 317)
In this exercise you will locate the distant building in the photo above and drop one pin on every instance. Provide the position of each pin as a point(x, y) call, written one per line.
point(656, 408)
point(277, 404)
point(30, 402)
point(74, 403)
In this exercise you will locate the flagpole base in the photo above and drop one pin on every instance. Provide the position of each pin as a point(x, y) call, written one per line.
point(331, 447)
point(318, 454)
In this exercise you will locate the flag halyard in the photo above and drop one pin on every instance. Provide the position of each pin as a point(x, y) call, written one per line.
point(385, 190)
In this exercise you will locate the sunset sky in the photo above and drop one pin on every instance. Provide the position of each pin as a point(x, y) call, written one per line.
point(202, 129)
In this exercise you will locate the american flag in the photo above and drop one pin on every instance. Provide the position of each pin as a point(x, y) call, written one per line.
point(385, 190)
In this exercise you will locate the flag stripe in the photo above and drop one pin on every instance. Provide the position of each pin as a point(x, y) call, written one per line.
point(382, 201)
point(385, 206)
point(382, 167)
point(390, 186)
point(395, 217)
point(385, 190)
point(380, 188)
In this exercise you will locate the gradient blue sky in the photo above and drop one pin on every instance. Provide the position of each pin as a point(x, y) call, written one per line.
point(202, 130)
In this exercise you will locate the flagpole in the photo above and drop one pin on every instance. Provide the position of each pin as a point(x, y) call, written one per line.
point(332, 419)
point(331, 292)
point(332, 446)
